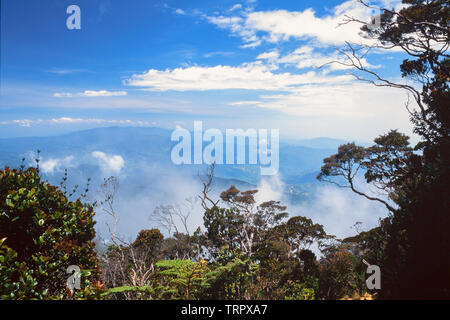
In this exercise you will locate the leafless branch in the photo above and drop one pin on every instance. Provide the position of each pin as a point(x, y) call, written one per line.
point(207, 188)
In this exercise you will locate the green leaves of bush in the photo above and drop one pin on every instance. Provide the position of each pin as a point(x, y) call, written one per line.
point(42, 233)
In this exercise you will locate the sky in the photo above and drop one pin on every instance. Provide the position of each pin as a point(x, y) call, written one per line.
point(231, 64)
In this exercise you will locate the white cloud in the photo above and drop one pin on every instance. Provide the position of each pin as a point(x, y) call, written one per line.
point(244, 103)
point(180, 11)
point(270, 188)
point(218, 53)
point(237, 6)
point(93, 120)
point(339, 209)
point(249, 76)
point(90, 93)
point(271, 56)
point(306, 57)
point(103, 93)
point(23, 122)
point(62, 72)
point(347, 100)
point(237, 27)
point(55, 164)
point(282, 25)
point(109, 163)
point(63, 95)
point(69, 120)
point(73, 120)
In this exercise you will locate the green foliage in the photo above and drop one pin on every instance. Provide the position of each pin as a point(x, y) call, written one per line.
point(337, 275)
point(119, 290)
point(45, 233)
point(232, 276)
point(148, 238)
point(185, 275)
point(296, 290)
point(223, 227)
point(16, 281)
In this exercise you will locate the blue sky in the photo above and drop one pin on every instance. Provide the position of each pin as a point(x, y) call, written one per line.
point(230, 64)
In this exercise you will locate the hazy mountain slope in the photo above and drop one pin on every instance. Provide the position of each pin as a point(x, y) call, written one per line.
point(153, 146)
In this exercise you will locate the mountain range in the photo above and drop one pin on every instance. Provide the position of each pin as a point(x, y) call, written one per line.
point(140, 157)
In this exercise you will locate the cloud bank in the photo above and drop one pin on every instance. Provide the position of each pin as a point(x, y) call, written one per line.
point(110, 164)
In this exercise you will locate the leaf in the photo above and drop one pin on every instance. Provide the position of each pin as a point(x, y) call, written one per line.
point(127, 289)
point(9, 203)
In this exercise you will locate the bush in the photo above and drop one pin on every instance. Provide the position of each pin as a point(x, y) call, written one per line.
point(43, 233)
point(16, 280)
point(296, 290)
point(338, 276)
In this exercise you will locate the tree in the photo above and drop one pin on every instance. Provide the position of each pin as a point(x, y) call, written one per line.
point(384, 165)
point(43, 234)
point(337, 275)
point(128, 267)
point(421, 30)
point(253, 220)
point(301, 233)
point(174, 218)
point(417, 253)
point(186, 276)
point(232, 276)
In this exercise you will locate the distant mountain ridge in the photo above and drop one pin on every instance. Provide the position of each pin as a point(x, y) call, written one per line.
point(140, 157)
point(148, 149)
point(153, 145)
point(322, 142)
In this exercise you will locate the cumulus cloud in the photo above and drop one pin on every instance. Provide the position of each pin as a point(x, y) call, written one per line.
point(53, 165)
point(249, 76)
point(109, 163)
point(90, 93)
point(324, 94)
point(282, 25)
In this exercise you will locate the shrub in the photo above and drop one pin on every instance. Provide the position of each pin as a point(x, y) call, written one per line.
point(43, 233)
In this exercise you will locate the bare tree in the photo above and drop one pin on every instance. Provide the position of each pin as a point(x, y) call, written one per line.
point(207, 202)
point(174, 217)
point(175, 220)
point(123, 263)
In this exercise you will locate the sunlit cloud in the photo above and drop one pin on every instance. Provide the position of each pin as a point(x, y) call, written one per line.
point(249, 76)
point(273, 26)
point(52, 165)
point(109, 163)
point(90, 93)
